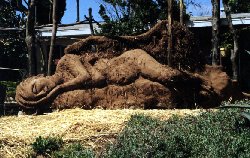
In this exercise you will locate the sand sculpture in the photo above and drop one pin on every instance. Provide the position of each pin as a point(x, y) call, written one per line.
point(123, 77)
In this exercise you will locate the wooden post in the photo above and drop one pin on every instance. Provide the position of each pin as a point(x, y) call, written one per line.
point(170, 36)
point(35, 15)
point(215, 32)
point(77, 11)
point(181, 12)
point(91, 21)
point(233, 31)
point(53, 37)
point(30, 37)
point(50, 12)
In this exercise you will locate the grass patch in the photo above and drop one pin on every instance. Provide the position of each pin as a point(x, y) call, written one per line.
point(148, 133)
point(75, 150)
point(45, 146)
point(221, 133)
point(56, 148)
point(211, 134)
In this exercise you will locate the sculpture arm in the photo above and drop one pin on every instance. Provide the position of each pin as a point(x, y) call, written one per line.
point(70, 74)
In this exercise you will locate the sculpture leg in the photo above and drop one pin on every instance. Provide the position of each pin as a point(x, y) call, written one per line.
point(147, 66)
point(73, 71)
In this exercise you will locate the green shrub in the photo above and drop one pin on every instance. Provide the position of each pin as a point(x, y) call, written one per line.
point(210, 134)
point(74, 151)
point(45, 146)
point(10, 87)
point(244, 104)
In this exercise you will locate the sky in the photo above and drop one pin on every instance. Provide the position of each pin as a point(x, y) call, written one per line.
point(70, 13)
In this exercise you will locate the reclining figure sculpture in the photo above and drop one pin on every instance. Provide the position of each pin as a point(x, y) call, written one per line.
point(125, 74)
point(74, 72)
point(88, 83)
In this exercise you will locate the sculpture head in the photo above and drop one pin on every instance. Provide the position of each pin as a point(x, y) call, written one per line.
point(33, 89)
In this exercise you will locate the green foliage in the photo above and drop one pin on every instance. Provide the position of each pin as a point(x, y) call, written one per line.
point(74, 151)
point(237, 104)
point(126, 17)
point(45, 146)
point(10, 87)
point(53, 147)
point(8, 17)
point(227, 40)
point(13, 53)
point(210, 134)
point(246, 115)
point(242, 104)
point(240, 6)
point(44, 11)
point(133, 16)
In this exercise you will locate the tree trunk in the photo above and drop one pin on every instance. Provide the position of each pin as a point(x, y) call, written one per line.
point(53, 37)
point(235, 52)
point(50, 12)
point(215, 32)
point(181, 12)
point(91, 21)
point(77, 11)
point(170, 44)
point(30, 37)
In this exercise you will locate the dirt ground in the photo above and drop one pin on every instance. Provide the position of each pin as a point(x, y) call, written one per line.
point(92, 128)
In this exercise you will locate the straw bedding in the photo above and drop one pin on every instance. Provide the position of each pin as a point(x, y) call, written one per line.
point(92, 128)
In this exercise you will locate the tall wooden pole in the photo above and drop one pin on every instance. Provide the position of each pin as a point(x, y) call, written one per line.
point(78, 11)
point(50, 12)
point(91, 21)
point(30, 37)
point(181, 12)
point(53, 37)
point(170, 36)
point(215, 32)
point(233, 31)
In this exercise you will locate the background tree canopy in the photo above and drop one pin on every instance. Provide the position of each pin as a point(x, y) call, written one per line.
point(44, 11)
point(13, 52)
point(237, 6)
point(8, 17)
point(240, 6)
point(133, 16)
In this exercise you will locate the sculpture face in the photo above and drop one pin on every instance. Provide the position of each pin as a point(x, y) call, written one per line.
point(42, 86)
point(35, 88)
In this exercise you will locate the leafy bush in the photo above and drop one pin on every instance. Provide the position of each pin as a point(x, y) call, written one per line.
point(74, 151)
point(211, 134)
point(11, 87)
point(45, 146)
point(53, 147)
point(244, 104)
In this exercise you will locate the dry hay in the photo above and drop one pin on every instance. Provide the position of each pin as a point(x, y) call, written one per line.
point(92, 128)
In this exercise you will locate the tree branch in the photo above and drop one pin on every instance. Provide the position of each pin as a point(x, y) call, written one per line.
point(26, 2)
point(19, 6)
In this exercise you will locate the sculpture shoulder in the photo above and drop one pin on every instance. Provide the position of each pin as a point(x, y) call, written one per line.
point(67, 57)
point(134, 52)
